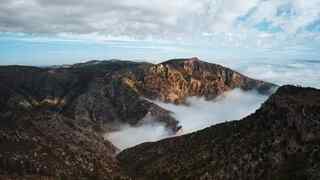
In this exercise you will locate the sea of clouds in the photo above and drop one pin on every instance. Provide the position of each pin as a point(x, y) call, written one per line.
point(198, 114)
point(282, 72)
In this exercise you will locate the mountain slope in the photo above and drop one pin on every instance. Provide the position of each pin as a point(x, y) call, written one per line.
point(110, 91)
point(279, 141)
point(175, 80)
point(46, 144)
point(52, 119)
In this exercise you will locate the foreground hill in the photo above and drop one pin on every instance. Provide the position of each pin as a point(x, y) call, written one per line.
point(281, 140)
point(52, 119)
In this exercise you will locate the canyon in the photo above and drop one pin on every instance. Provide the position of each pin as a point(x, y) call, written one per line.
point(53, 121)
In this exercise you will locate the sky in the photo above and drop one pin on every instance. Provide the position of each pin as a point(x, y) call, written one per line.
point(48, 32)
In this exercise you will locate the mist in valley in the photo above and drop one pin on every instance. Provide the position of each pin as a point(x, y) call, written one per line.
point(198, 114)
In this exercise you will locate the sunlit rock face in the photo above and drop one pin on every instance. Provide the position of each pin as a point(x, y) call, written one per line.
point(175, 80)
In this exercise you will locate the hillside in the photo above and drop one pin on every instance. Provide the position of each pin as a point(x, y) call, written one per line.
point(52, 119)
point(279, 141)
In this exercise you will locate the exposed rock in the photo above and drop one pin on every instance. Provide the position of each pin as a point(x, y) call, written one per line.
point(281, 140)
point(175, 80)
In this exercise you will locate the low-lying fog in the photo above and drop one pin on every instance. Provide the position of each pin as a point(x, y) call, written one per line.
point(199, 114)
point(295, 72)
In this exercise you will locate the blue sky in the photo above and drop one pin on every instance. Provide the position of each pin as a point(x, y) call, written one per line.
point(64, 32)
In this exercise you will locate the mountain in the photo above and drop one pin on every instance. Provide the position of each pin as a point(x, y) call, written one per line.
point(174, 80)
point(52, 119)
point(279, 141)
point(110, 91)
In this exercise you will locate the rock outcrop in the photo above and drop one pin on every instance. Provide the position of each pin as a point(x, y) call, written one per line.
point(279, 141)
point(175, 80)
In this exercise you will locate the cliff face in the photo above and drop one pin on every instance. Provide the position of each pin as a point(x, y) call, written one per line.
point(279, 141)
point(52, 119)
point(175, 80)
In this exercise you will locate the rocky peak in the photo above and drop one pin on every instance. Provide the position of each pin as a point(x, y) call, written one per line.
point(192, 65)
point(176, 79)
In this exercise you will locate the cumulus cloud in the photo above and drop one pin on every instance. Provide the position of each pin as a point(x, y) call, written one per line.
point(229, 20)
point(121, 17)
point(198, 114)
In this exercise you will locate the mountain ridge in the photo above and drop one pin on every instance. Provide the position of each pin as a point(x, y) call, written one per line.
point(279, 141)
point(60, 114)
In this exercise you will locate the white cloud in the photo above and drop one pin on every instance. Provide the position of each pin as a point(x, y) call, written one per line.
point(159, 19)
point(297, 72)
point(224, 13)
point(128, 136)
point(199, 114)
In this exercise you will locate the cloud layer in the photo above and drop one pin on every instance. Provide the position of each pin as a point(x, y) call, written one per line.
point(228, 20)
point(232, 105)
point(199, 114)
point(112, 17)
point(298, 72)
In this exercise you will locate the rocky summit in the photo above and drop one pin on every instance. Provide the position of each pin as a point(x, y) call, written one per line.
point(281, 140)
point(52, 119)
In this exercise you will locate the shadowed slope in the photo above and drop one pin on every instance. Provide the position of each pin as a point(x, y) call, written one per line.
point(279, 141)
